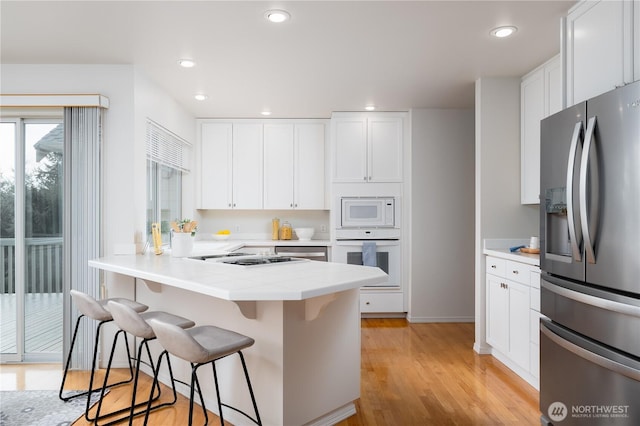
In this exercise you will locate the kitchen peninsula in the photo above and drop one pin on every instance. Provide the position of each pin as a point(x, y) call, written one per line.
point(304, 317)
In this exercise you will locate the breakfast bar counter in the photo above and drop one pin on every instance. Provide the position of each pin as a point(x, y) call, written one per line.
point(304, 317)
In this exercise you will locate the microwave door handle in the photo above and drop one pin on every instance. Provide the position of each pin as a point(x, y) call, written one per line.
point(586, 152)
point(574, 233)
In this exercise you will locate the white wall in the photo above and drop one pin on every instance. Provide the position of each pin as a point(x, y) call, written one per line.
point(498, 211)
point(442, 163)
point(132, 99)
point(117, 83)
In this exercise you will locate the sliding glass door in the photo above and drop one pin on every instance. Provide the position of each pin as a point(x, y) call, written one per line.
point(31, 217)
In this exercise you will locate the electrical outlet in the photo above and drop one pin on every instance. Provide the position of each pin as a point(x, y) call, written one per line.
point(323, 228)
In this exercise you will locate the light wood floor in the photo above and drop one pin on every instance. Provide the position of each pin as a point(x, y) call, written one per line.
point(412, 374)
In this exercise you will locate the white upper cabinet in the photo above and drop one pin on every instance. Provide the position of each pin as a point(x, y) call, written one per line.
point(309, 166)
point(599, 46)
point(294, 166)
point(367, 147)
point(231, 166)
point(278, 166)
point(247, 166)
point(216, 190)
point(540, 96)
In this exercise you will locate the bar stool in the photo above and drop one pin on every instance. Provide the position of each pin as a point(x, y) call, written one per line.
point(136, 324)
point(200, 346)
point(95, 310)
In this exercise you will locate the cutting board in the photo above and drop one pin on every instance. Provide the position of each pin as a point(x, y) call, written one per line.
point(530, 250)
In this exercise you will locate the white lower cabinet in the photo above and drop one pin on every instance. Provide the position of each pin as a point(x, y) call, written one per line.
point(372, 302)
point(509, 315)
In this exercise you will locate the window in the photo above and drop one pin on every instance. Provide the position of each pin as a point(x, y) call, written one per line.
point(164, 197)
point(167, 159)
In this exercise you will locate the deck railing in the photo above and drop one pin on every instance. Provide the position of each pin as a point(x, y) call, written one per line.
point(43, 257)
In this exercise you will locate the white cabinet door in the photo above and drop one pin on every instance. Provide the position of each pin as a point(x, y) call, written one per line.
point(350, 149)
point(636, 36)
point(519, 323)
point(384, 149)
point(532, 104)
point(309, 166)
point(278, 166)
point(599, 48)
point(215, 166)
point(498, 313)
point(247, 166)
point(540, 96)
point(553, 86)
point(367, 148)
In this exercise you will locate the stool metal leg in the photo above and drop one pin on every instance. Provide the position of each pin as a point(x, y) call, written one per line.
point(253, 399)
point(156, 386)
point(95, 354)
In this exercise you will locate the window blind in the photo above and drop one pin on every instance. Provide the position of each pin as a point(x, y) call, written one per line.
point(167, 148)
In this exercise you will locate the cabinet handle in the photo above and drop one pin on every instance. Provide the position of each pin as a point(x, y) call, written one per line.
point(365, 178)
point(493, 266)
point(290, 205)
point(369, 177)
point(234, 204)
point(516, 272)
point(367, 303)
point(229, 204)
point(295, 205)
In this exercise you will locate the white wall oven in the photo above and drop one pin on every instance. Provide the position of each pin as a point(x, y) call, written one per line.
point(368, 212)
point(379, 248)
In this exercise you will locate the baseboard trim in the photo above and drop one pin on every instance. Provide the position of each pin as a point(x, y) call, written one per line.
point(418, 320)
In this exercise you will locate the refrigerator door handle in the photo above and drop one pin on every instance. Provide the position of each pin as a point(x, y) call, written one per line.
point(574, 233)
point(587, 299)
point(594, 358)
point(586, 152)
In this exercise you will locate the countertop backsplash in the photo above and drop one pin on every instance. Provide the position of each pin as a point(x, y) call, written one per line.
point(256, 224)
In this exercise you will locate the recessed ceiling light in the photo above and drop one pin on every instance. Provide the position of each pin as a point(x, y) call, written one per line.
point(266, 113)
point(200, 97)
point(370, 107)
point(277, 15)
point(186, 63)
point(501, 32)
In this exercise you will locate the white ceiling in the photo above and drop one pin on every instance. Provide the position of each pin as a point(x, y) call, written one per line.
point(331, 55)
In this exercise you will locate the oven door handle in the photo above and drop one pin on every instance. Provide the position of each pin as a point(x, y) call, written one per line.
point(302, 254)
point(358, 243)
point(603, 362)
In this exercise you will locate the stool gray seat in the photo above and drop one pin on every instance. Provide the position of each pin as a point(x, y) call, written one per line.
point(200, 346)
point(134, 323)
point(95, 310)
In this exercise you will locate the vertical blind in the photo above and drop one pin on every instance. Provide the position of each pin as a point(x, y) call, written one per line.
point(82, 219)
point(167, 148)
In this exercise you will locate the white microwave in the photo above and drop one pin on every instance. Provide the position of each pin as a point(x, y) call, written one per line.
point(368, 212)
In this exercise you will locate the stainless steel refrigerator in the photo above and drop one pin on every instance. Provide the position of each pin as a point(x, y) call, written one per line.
point(590, 261)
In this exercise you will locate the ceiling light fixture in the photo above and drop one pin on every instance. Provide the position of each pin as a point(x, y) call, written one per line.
point(277, 16)
point(502, 32)
point(200, 97)
point(186, 63)
point(266, 113)
point(370, 107)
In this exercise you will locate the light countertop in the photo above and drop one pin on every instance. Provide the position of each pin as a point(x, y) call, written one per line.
point(291, 281)
point(500, 248)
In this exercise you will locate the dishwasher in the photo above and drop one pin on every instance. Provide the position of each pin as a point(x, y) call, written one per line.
point(318, 253)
